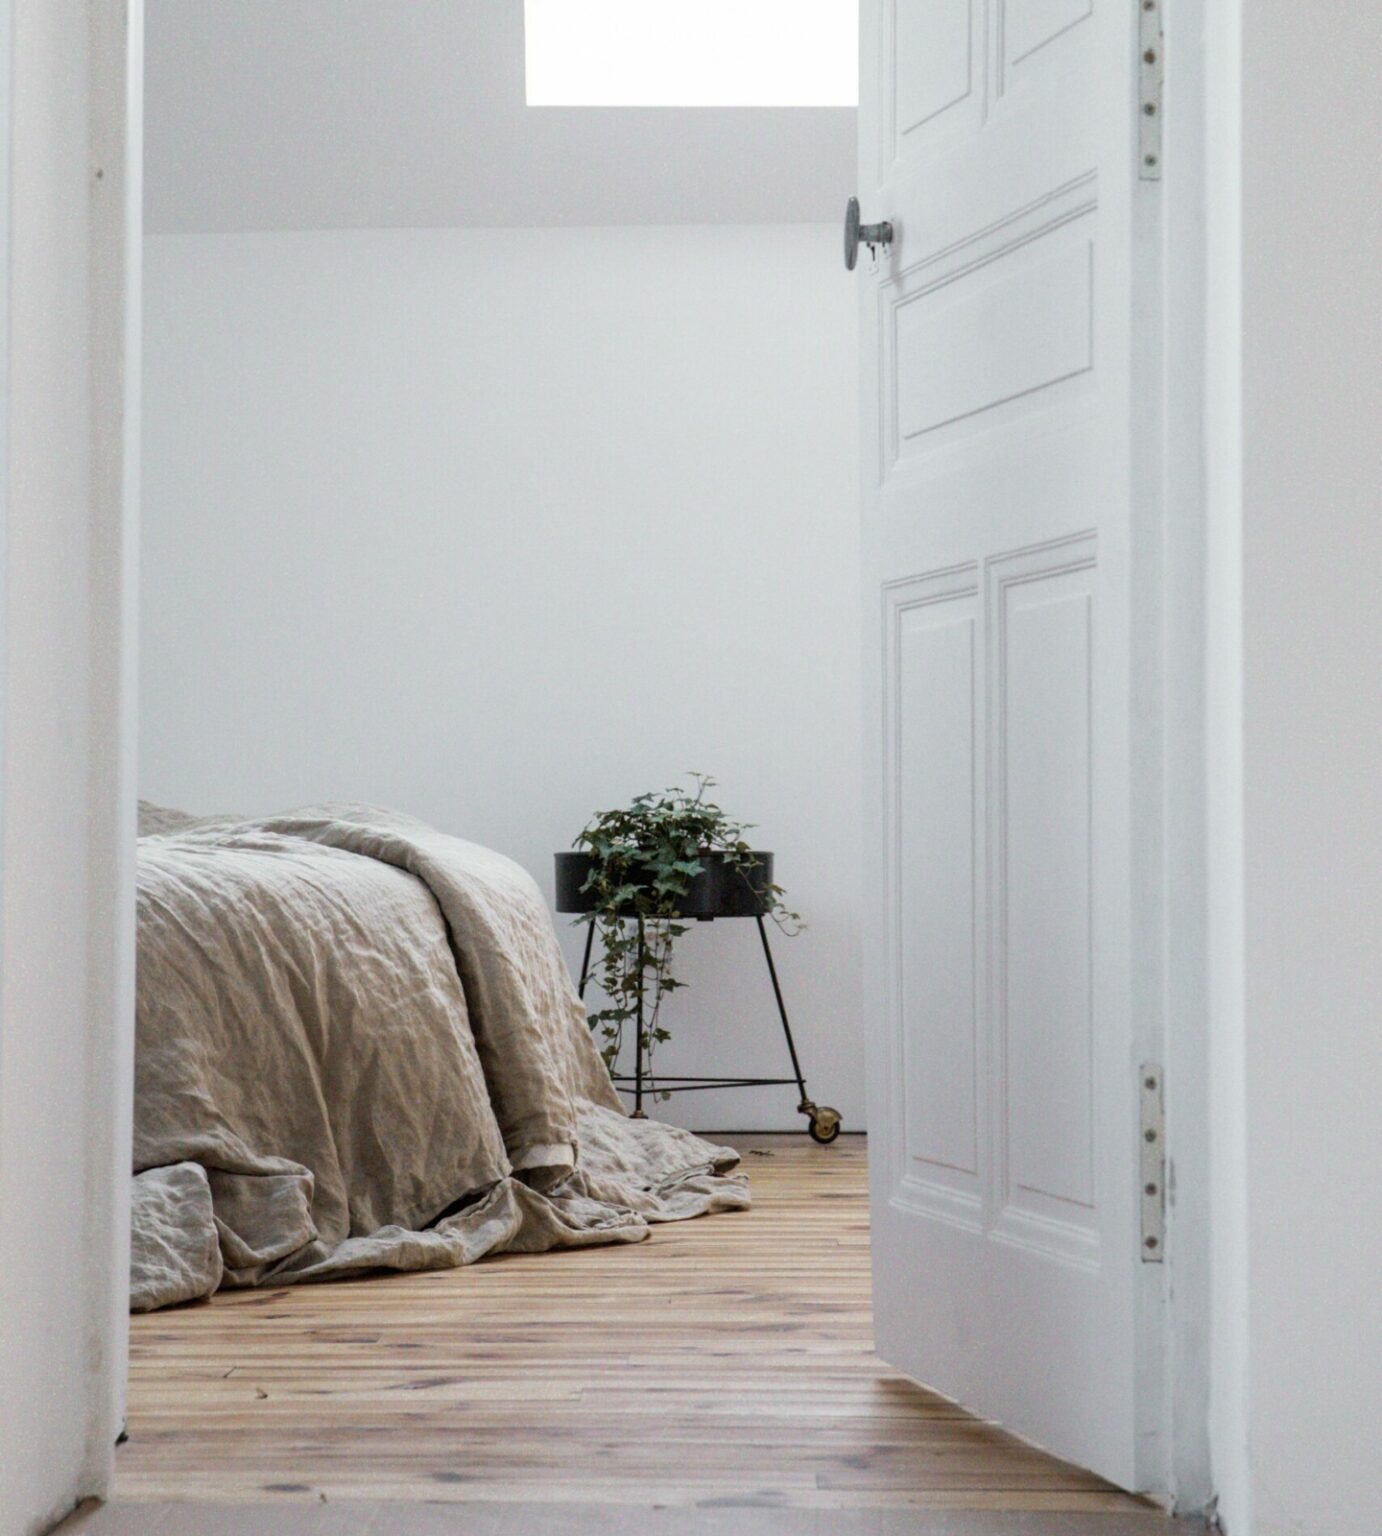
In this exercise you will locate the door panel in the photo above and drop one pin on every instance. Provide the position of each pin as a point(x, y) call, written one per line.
point(1041, 886)
point(932, 66)
point(991, 327)
point(936, 847)
point(1001, 562)
point(1000, 329)
point(1025, 27)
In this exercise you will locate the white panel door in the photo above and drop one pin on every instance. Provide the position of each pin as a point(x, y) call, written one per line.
point(1010, 569)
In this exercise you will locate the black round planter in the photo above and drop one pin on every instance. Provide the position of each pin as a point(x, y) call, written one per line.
point(720, 890)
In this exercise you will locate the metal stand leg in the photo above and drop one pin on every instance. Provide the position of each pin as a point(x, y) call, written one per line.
point(638, 1058)
point(824, 1121)
point(781, 1008)
point(585, 963)
point(638, 1112)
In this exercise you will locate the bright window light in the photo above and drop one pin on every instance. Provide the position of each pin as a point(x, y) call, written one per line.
point(692, 53)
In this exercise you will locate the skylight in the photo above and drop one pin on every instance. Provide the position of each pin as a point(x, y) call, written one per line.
point(692, 53)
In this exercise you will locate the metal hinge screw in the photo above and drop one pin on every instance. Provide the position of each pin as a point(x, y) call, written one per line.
point(1152, 1170)
point(1149, 87)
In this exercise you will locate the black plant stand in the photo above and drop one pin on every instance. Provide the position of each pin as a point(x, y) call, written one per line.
point(716, 892)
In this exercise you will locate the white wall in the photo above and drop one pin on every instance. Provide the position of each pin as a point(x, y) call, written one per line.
point(503, 527)
point(1312, 723)
point(66, 808)
point(1297, 1423)
point(376, 114)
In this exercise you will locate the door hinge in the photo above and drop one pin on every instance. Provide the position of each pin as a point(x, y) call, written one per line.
point(1150, 79)
point(1152, 1164)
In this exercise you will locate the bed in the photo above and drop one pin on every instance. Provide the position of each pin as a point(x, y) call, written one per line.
point(358, 1048)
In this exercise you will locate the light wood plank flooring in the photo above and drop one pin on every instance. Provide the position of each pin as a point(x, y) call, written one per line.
point(726, 1362)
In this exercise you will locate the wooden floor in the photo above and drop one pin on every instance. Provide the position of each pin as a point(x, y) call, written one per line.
point(726, 1361)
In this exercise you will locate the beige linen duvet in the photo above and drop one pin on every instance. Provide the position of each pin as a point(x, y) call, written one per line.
point(359, 1048)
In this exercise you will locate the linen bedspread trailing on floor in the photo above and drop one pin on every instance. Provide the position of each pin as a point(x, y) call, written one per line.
point(359, 1048)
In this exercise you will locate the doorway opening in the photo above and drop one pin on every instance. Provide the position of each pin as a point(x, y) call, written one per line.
point(490, 475)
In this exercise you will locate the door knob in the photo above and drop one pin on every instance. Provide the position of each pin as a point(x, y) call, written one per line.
point(856, 234)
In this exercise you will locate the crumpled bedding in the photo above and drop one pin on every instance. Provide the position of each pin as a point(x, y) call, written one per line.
point(358, 1048)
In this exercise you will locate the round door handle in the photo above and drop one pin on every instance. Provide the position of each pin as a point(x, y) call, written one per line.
point(857, 234)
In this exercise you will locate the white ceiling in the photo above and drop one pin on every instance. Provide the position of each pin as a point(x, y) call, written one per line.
point(337, 114)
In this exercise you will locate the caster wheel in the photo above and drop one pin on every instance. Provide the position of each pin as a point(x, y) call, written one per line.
point(825, 1125)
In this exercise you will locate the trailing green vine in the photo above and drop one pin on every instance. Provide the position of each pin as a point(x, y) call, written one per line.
point(643, 860)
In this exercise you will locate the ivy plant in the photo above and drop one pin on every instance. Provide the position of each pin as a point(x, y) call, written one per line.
point(643, 860)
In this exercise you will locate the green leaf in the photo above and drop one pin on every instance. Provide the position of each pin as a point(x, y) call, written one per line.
point(643, 858)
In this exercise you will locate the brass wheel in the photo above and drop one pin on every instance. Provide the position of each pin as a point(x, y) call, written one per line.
point(825, 1125)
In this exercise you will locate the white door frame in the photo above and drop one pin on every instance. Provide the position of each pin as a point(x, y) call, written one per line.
point(116, 299)
point(72, 113)
point(1185, 939)
point(110, 83)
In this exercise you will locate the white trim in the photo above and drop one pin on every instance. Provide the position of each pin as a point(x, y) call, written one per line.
point(117, 115)
point(67, 678)
point(1185, 869)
